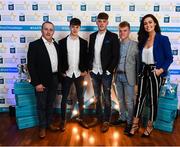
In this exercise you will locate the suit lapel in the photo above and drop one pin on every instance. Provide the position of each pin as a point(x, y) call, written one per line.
point(45, 52)
point(105, 39)
point(129, 48)
point(94, 38)
point(65, 45)
point(80, 49)
point(155, 44)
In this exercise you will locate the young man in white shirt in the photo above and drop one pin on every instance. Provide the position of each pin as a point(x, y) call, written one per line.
point(103, 59)
point(73, 52)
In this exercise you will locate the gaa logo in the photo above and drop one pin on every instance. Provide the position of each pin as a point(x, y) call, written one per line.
point(23, 60)
point(12, 50)
point(83, 7)
point(46, 17)
point(156, 8)
point(107, 7)
point(93, 18)
point(118, 18)
point(166, 19)
point(69, 18)
point(1, 80)
point(22, 39)
point(35, 6)
point(59, 7)
point(21, 17)
point(132, 7)
point(10, 6)
point(1, 60)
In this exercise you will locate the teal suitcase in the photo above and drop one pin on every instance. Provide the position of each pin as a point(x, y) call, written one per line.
point(24, 111)
point(164, 126)
point(27, 122)
point(23, 88)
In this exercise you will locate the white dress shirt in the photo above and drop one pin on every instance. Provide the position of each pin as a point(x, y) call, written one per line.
point(97, 67)
point(73, 49)
point(52, 54)
point(147, 55)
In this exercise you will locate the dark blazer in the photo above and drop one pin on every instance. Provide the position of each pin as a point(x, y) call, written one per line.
point(82, 55)
point(38, 63)
point(161, 52)
point(109, 51)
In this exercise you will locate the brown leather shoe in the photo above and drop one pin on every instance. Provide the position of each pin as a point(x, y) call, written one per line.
point(93, 123)
point(42, 133)
point(82, 123)
point(53, 128)
point(105, 127)
point(63, 125)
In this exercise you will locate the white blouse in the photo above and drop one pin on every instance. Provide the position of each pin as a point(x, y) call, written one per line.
point(147, 55)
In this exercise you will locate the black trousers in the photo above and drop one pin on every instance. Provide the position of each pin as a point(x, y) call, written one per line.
point(149, 85)
point(66, 85)
point(45, 102)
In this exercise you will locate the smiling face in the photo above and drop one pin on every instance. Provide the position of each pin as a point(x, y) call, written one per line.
point(124, 32)
point(102, 24)
point(149, 25)
point(48, 31)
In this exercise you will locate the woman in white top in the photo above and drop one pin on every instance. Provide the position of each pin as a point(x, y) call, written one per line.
point(156, 57)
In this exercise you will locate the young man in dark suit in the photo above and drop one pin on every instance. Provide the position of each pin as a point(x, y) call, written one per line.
point(74, 67)
point(103, 59)
point(43, 68)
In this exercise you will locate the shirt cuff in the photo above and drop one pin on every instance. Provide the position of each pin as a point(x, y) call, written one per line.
point(107, 72)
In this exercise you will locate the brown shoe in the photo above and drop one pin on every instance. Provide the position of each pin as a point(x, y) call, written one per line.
point(82, 123)
point(105, 127)
point(42, 133)
point(53, 128)
point(93, 123)
point(63, 125)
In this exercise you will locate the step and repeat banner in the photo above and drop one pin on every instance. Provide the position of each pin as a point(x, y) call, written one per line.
point(20, 23)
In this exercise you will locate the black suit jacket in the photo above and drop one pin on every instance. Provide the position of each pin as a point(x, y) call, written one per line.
point(64, 55)
point(109, 51)
point(38, 63)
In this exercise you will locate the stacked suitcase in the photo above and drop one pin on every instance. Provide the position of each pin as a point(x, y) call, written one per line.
point(167, 108)
point(26, 112)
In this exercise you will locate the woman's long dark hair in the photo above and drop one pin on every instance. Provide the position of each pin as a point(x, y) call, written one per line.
point(142, 34)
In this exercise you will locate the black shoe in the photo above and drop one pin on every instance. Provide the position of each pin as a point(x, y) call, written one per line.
point(42, 133)
point(105, 127)
point(93, 123)
point(82, 123)
point(118, 122)
point(63, 126)
point(127, 129)
point(53, 128)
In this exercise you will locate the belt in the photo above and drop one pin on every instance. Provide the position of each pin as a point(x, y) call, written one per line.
point(120, 72)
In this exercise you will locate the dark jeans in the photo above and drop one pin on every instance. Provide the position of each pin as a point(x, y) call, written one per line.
point(104, 80)
point(45, 102)
point(66, 85)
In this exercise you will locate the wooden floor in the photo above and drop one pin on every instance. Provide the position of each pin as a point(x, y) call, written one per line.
point(77, 136)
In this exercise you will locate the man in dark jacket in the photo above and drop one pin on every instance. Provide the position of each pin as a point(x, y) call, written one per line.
point(43, 68)
point(103, 59)
point(74, 67)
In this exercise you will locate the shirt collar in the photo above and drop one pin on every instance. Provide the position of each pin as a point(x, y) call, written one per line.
point(125, 42)
point(101, 34)
point(45, 41)
point(70, 37)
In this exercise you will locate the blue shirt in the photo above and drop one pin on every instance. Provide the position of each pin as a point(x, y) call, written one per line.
point(123, 53)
